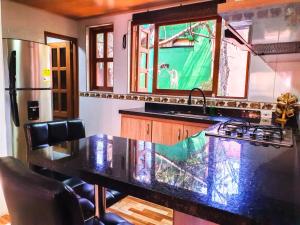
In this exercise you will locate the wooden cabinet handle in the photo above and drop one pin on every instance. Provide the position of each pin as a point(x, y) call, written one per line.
point(179, 134)
point(187, 133)
point(148, 128)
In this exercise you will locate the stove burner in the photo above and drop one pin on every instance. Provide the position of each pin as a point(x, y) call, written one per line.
point(262, 135)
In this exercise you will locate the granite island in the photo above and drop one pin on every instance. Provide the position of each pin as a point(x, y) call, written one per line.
point(225, 181)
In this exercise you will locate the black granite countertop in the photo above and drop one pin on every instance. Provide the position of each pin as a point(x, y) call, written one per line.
point(192, 113)
point(226, 181)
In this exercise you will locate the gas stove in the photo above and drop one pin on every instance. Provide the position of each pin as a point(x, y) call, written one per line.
point(264, 135)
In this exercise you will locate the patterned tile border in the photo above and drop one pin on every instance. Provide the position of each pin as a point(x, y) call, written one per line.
point(221, 103)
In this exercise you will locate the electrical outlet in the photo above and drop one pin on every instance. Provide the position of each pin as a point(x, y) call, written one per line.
point(266, 114)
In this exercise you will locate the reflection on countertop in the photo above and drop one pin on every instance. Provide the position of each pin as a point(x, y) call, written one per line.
point(223, 180)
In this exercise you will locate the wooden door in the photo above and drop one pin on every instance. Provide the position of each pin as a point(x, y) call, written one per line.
point(61, 80)
point(136, 128)
point(167, 133)
point(190, 130)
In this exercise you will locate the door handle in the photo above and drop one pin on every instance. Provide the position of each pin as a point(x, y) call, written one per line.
point(187, 133)
point(148, 128)
point(179, 134)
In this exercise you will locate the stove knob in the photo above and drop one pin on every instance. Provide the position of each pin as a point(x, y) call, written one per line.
point(240, 134)
point(228, 132)
point(266, 136)
point(253, 135)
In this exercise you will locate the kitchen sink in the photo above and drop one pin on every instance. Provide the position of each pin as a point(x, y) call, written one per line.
point(187, 114)
point(204, 117)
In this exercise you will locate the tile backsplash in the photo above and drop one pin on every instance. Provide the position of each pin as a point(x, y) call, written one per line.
point(218, 102)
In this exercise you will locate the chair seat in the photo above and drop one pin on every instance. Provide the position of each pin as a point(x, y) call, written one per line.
point(73, 182)
point(49, 173)
point(82, 188)
point(108, 219)
point(87, 191)
point(87, 208)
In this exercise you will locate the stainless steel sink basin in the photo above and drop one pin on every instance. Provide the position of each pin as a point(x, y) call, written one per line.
point(193, 116)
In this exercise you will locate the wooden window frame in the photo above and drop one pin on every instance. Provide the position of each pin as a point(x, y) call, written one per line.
point(215, 76)
point(135, 62)
point(93, 60)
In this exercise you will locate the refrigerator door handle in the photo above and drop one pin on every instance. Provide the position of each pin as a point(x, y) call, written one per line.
point(14, 107)
point(12, 90)
point(12, 70)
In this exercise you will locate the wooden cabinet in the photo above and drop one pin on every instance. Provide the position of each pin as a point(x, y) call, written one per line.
point(190, 130)
point(160, 131)
point(136, 128)
point(168, 133)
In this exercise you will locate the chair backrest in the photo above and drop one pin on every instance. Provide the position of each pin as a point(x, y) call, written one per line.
point(43, 134)
point(33, 199)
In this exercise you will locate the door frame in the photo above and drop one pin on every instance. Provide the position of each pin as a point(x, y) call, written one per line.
point(75, 74)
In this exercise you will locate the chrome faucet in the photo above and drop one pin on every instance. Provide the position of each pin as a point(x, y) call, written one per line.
point(204, 99)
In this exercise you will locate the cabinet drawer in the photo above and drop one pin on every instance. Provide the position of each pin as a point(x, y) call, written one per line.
point(135, 128)
point(166, 133)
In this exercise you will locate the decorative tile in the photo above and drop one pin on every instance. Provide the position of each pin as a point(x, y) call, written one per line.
point(231, 104)
point(255, 105)
point(183, 100)
point(243, 105)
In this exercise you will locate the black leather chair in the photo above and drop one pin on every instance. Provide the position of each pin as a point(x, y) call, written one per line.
point(43, 134)
point(35, 199)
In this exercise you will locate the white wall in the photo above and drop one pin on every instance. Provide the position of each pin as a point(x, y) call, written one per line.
point(3, 148)
point(101, 115)
point(28, 23)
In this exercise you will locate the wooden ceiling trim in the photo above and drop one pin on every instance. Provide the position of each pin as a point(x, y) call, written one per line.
point(81, 9)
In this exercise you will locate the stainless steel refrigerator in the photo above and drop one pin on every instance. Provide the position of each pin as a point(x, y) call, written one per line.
point(28, 94)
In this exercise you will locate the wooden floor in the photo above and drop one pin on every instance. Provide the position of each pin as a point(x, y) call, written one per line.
point(4, 220)
point(137, 211)
point(140, 212)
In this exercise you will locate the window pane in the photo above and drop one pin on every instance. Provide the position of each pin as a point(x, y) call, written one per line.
point(110, 44)
point(110, 74)
point(54, 57)
point(143, 60)
point(62, 55)
point(142, 80)
point(63, 102)
point(144, 38)
point(54, 79)
point(100, 45)
point(55, 102)
point(232, 69)
point(185, 55)
point(100, 74)
point(146, 60)
point(63, 79)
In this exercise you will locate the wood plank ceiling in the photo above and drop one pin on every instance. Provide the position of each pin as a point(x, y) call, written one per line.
point(78, 9)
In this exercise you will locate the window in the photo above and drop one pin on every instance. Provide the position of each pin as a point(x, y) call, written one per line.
point(234, 63)
point(176, 49)
point(173, 58)
point(101, 58)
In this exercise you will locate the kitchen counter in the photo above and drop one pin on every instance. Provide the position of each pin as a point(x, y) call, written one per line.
point(225, 181)
point(192, 113)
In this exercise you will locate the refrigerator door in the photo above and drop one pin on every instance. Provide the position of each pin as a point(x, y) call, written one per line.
point(34, 106)
point(32, 64)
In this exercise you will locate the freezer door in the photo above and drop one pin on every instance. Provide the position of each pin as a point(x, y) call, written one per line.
point(32, 64)
point(34, 106)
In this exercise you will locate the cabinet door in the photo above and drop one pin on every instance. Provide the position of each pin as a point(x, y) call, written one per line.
point(166, 133)
point(190, 130)
point(135, 128)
